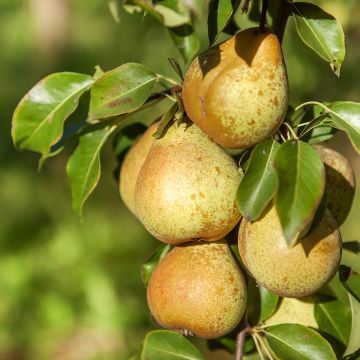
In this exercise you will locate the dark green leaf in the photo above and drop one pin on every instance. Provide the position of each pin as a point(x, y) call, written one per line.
point(259, 184)
point(120, 91)
point(165, 121)
point(321, 32)
point(149, 266)
point(220, 14)
point(333, 318)
point(297, 342)
point(268, 303)
point(176, 67)
point(301, 177)
point(168, 345)
point(229, 343)
point(83, 167)
point(354, 341)
point(39, 118)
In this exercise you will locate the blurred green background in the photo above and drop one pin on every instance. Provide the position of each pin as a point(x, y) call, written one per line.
point(71, 290)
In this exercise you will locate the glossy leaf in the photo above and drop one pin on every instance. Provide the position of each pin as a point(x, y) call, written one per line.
point(220, 15)
point(297, 342)
point(39, 118)
point(83, 167)
point(120, 91)
point(346, 117)
point(259, 184)
point(168, 345)
point(228, 342)
point(301, 177)
point(149, 266)
point(354, 341)
point(333, 318)
point(321, 32)
point(268, 303)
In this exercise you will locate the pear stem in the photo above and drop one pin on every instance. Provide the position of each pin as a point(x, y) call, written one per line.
point(282, 16)
point(240, 341)
point(263, 16)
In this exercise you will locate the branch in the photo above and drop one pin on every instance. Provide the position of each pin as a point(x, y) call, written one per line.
point(282, 16)
point(263, 16)
point(240, 341)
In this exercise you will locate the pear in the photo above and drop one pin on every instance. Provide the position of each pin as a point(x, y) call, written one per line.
point(237, 92)
point(290, 271)
point(186, 188)
point(294, 311)
point(198, 289)
point(340, 182)
point(132, 164)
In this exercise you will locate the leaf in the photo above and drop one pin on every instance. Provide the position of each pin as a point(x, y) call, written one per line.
point(168, 345)
point(301, 177)
point(228, 342)
point(120, 91)
point(39, 118)
point(346, 117)
point(354, 341)
point(297, 342)
point(175, 65)
point(83, 167)
point(165, 121)
point(268, 303)
point(220, 14)
point(321, 32)
point(333, 318)
point(149, 266)
point(259, 184)
point(114, 10)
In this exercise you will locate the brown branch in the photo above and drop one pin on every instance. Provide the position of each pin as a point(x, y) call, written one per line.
point(240, 341)
point(263, 16)
point(282, 16)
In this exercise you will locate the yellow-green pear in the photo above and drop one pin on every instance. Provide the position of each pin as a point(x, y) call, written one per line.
point(294, 311)
point(340, 182)
point(237, 92)
point(198, 289)
point(131, 167)
point(186, 188)
point(290, 271)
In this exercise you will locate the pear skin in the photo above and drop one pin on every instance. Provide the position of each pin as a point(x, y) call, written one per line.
point(237, 92)
point(296, 271)
point(132, 164)
point(340, 182)
point(198, 289)
point(187, 187)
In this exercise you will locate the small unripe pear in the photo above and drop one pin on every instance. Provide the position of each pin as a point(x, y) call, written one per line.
point(290, 271)
point(187, 187)
point(340, 182)
point(294, 311)
point(198, 289)
point(131, 167)
point(237, 92)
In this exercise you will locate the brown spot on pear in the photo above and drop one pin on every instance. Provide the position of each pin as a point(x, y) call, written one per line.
point(198, 288)
point(290, 271)
point(179, 167)
point(131, 167)
point(340, 182)
point(243, 78)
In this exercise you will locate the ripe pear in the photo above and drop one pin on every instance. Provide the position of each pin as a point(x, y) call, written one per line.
point(340, 182)
point(237, 92)
point(186, 188)
point(132, 164)
point(290, 271)
point(198, 289)
point(294, 311)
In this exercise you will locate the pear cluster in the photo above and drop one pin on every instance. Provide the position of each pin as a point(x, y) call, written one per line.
point(182, 187)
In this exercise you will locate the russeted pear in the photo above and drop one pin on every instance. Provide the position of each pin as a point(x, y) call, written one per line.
point(237, 92)
point(294, 311)
point(131, 167)
point(340, 182)
point(290, 271)
point(187, 187)
point(198, 289)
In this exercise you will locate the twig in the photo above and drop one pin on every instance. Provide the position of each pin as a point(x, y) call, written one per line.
point(282, 16)
point(240, 341)
point(263, 16)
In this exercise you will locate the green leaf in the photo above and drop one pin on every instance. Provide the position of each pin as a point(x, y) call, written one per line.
point(120, 91)
point(83, 167)
point(220, 14)
point(301, 177)
point(268, 303)
point(168, 345)
point(297, 342)
point(228, 342)
point(150, 264)
point(333, 318)
point(346, 117)
point(176, 66)
point(39, 118)
point(165, 121)
point(354, 341)
point(259, 184)
point(321, 32)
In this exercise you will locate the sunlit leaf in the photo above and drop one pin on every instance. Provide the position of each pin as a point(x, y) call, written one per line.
point(268, 303)
point(354, 341)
